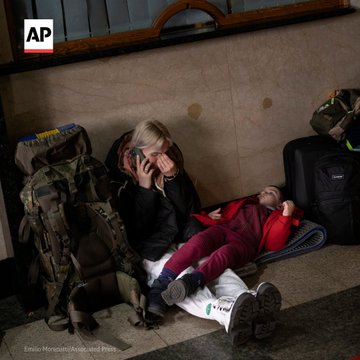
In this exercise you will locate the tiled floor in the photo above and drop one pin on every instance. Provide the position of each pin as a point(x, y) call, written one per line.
point(300, 279)
point(326, 328)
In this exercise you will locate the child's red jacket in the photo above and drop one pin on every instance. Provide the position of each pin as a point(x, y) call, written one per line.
point(276, 229)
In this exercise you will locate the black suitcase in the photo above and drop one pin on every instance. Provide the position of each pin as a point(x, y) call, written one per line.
point(323, 179)
point(300, 156)
point(337, 196)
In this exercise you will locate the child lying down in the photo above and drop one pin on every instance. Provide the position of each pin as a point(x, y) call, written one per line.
point(235, 236)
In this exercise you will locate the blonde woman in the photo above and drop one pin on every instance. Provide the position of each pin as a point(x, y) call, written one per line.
point(155, 196)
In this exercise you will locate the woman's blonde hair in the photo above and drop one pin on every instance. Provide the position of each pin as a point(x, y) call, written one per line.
point(150, 133)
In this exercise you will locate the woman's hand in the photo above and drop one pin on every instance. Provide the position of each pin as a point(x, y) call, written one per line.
point(215, 215)
point(166, 165)
point(288, 208)
point(144, 172)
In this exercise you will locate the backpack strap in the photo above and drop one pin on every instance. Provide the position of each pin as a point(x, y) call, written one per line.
point(86, 324)
point(343, 103)
point(121, 250)
point(356, 106)
point(31, 219)
point(34, 270)
point(130, 292)
point(24, 230)
point(77, 266)
point(56, 224)
point(138, 318)
point(104, 211)
point(62, 276)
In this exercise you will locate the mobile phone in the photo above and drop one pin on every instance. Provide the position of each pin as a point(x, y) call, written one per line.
point(136, 151)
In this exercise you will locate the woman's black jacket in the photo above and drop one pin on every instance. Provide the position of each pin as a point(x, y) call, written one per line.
point(153, 221)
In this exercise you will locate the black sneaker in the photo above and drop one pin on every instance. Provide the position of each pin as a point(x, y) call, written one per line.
point(157, 305)
point(179, 289)
point(269, 299)
point(240, 314)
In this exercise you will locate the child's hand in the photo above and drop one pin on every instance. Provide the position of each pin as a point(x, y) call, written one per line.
point(288, 208)
point(215, 215)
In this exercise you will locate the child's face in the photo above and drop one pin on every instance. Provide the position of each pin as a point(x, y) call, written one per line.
point(270, 196)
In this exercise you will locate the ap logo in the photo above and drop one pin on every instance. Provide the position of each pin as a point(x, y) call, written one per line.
point(38, 36)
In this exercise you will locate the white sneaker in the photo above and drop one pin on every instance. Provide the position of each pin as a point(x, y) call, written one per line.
point(237, 315)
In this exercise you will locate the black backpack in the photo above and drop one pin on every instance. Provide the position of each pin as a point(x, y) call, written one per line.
point(337, 196)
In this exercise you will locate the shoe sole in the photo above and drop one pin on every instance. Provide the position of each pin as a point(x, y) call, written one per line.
point(269, 299)
point(175, 292)
point(245, 310)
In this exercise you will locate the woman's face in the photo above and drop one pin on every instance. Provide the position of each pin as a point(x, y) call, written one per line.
point(152, 152)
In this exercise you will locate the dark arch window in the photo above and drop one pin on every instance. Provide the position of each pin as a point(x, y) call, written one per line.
point(90, 28)
point(188, 22)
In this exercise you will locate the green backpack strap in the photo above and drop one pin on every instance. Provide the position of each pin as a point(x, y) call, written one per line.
point(24, 230)
point(130, 292)
point(119, 243)
point(56, 226)
point(62, 276)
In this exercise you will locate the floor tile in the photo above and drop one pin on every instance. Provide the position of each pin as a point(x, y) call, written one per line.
point(305, 282)
point(297, 279)
point(285, 304)
point(213, 346)
point(4, 351)
point(36, 341)
point(140, 339)
point(326, 328)
point(179, 326)
point(338, 262)
point(17, 316)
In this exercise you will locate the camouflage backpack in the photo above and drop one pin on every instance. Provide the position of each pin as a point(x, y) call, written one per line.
point(338, 114)
point(82, 255)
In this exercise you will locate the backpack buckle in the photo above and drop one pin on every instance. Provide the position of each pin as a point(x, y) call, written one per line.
point(63, 269)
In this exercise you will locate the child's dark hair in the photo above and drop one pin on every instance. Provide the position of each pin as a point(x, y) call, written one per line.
point(282, 192)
